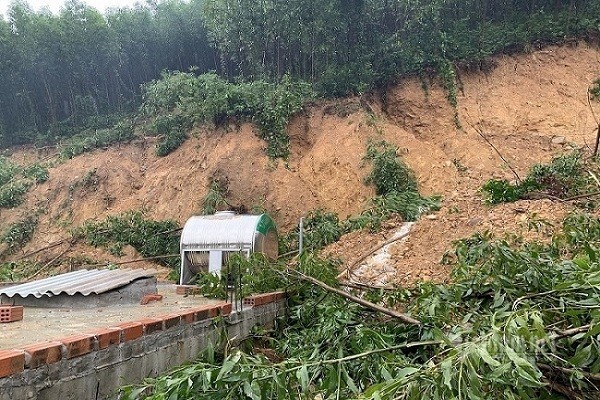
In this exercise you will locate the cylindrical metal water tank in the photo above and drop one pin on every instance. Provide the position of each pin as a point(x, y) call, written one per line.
point(207, 241)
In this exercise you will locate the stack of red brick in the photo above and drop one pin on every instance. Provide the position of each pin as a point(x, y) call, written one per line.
point(11, 313)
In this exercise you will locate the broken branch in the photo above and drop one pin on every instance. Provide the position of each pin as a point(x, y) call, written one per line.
point(392, 313)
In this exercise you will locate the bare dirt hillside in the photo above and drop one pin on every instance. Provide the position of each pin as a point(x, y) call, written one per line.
point(530, 106)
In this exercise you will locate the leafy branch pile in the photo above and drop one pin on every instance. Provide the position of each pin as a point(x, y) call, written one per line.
point(565, 177)
point(150, 238)
point(180, 100)
point(519, 321)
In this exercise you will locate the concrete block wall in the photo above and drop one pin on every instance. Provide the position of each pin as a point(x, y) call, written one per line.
point(93, 365)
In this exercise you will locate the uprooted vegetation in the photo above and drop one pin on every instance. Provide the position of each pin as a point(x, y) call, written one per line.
point(151, 239)
point(518, 321)
point(566, 177)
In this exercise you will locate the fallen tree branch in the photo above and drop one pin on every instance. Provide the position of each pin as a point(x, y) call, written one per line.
point(168, 232)
point(569, 332)
point(541, 195)
point(364, 286)
point(48, 247)
point(392, 313)
point(480, 133)
point(349, 269)
point(569, 371)
point(49, 263)
point(563, 334)
point(564, 390)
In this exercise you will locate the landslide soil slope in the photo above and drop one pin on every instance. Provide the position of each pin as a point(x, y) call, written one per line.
point(530, 106)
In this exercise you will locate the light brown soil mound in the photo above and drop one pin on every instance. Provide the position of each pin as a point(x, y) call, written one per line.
point(520, 105)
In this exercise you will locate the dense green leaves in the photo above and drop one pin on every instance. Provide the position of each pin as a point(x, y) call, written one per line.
point(565, 176)
point(520, 320)
point(62, 73)
point(15, 181)
point(149, 237)
point(19, 233)
point(182, 100)
point(389, 173)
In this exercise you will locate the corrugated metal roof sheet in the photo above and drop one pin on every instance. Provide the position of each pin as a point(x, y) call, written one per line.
point(79, 282)
point(219, 229)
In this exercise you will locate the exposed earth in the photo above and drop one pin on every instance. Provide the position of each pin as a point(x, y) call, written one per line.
point(529, 106)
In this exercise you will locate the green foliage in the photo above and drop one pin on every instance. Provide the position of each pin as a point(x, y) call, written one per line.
point(322, 228)
point(7, 171)
point(501, 191)
point(91, 66)
point(595, 90)
point(346, 80)
point(407, 205)
point(15, 181)
point(565, 176)
point(216, 197)
point(13, 193)
point(15, 271)
point(36, 172)
point(150, 238)
point(389, 173)
point(499, 330)
point(20, 232)
point(94, 139)
point(172, 129)
point(181, 100)
point(448, 76)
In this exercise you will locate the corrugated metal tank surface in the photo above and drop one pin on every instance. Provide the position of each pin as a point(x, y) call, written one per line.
point(208, 241)
point(221, 229)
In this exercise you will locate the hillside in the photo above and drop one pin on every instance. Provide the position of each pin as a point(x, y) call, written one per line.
point(530, 106)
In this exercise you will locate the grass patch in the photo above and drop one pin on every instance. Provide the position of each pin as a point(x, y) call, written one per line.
point(92, 139)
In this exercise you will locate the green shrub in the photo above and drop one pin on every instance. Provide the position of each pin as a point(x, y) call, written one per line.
point(389, 174)
point(172, 130)
point(93, 139)
point(216, 197)
point(37, 172)
point(171, 142)
point(345, 80)
point(407, 205)
point(180, 100)
point(595, 90)
point(20, 232)
point(131, 228)
point(7, 171)
point(501, 191)
point(13, 194)
point(320, 228)
point(565, 176)
point(15, 271)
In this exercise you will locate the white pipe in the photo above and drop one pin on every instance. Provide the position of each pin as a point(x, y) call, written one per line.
point(301, 236)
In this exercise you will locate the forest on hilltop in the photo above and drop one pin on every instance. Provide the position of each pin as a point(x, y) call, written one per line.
point(61, 74)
